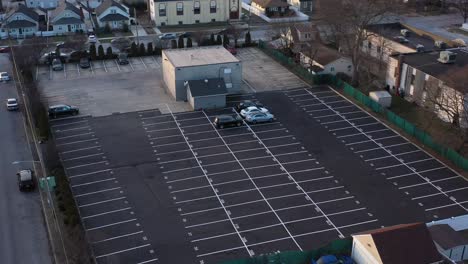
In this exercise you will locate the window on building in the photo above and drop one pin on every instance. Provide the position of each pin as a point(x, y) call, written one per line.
point(413, 77)
point(196, 7)
point(18, 17)
point(180, 9)
point(180, 22)
point(307, 35)
point(162, 10)
point(349, 68)
point(197, 21)
point(332, 69)
point(395, 71)
point(213, 20)
point(212, 6)
point(163, 24)
point(113, 11)
point(379, 49)
point(369, 45)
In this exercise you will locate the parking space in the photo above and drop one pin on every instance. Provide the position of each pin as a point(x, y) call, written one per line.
point(73, 71)
point(249, 190)
point(423, 179)
point(113, 229)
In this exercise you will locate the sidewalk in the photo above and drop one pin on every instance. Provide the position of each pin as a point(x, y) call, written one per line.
point(138, 30)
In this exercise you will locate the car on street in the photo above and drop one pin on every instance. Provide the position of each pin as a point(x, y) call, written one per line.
point(223, 121)
point(4, 49)
point(25, 180)
point(246, 103)
point(62, 110)
point(168, 36)
point(85, 63)
point(253, 110)
point(57, 65)
point(260, 118)
point(122, 58)
point(92, 39)
point(12, 104)
point(4, 76)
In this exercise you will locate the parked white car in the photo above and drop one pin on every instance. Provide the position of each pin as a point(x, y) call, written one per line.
point(260, 118)
point(12, 104)
point(92, 39)
point(253, 110)
point(4, 76)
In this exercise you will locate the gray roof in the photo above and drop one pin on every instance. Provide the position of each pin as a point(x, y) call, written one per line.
point(20, 24)
point(453, 74)
point(64, 5)
point(24, 10)
point(446, 237)
point(207, 87)
point(108, 3)
point(114, 17)
point(68, 21)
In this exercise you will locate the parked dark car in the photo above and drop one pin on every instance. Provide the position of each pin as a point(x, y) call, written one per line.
point(247, 103)
point(62, 110)
point(122, 58)
point(4, 49)
point(25, 180)
point(85, 63)
point(186, 35)
point(223, 121)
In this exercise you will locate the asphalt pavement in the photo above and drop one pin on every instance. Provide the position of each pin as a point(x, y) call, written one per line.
point(23, 236)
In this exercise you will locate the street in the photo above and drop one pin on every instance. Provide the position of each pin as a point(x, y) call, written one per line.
point(23, 236)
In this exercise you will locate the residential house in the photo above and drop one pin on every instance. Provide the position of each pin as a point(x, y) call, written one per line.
point(46, 4)
point(273, 8)
point(112, 13)
point(67, 18)
point(449, 242)
point(21, 21)
point(299, 36)
point(305, 6)
point(436, 83)
point(320, 59)
point(407, 243)
point(394, 38)
point(170, 12)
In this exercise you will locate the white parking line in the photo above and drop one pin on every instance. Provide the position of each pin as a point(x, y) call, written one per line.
point(100, 191)
point(335, 200)
point(390, 166)
point(68, 124)
point(297, 161)
point(206, 124)
point(203, 132)
point(125, 250)
point(291, 153)
point(284, 145)
point(105, 213)
point(163, 129)
point(80, 149)
point(320, 168)
point(317, 110)
point(154, 117)
point(331, 122)
point(168, 144)
point(157, 123)
point(104, 64)
point(85, 165)
point(82, 157)
point(144, 64)
point(296, 95)
point(448, 205)
point(88, 173)
point(185, 179)
point(176, 160)
point(357, 118)
point(192, 118)
point(116, 237)
point(287, 136)
point(158, 137)
point(187, 168)
point(71, 129)
point(113, 224)
point(350, 135)
point(327, 189)
point(77, 135)
point(383, 157)
point(92, 182)
point(408, 152)
point(353, 112)
point(317, 117)
point(303, 100)
point(148, 261)
point(358, 142)
point(394, 136)
point(216, 154)
point(419, 161)
point(170, 152)
point(131, 65)
point(101, 202)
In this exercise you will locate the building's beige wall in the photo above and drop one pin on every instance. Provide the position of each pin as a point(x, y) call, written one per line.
point(205, 16)
point(168, 75)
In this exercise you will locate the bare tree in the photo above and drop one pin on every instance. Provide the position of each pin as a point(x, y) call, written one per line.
point(462, 7)
point(199, 37)
point(28, 54)
point(235, 32)
point(347, 21)
point(76, 42)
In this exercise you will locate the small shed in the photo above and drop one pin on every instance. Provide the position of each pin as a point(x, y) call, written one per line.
point(206, 93)
point(382, 97)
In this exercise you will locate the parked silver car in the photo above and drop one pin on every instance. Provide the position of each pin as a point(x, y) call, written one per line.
point(253, 110)
point(57, 65)
point(260, 118)
point(12, 104)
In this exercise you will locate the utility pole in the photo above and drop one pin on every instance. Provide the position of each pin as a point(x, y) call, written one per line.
point(136, 26)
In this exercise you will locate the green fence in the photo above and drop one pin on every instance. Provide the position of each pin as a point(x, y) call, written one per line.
point(337, 247)
point(409, 128)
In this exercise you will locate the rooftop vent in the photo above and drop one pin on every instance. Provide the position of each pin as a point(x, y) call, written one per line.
point(440, 44)
point(447, 57)
point(404, 32)
point(420, 48)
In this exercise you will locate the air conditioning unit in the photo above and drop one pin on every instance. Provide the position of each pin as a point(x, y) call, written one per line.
point(404, 32)
point(420, 48)
point(447, 57)
point(440, 44)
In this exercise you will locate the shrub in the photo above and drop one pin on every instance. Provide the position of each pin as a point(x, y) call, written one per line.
point(189, 43)
point(225, 40)
point(109, 53)
point(219, 40)
point(150, 50)
point(133, 49)
point(101, 53)
point(157, 51)
point(92, 51)
point(180, 43)
point(248, 39)
point(142, 50)
point(125, 27)
point(107, 28)
point(173, 44)
point(212, 39)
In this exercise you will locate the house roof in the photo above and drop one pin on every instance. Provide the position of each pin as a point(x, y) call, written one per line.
point(20, 24)
point(407, 243)
point(305, 27)
point(453, 74)
point(446, 237)
point(199, 56)
point(24, 10)
point(114, 17)
point(392, 30)
point(64, 5)
point(321, 53)
point(206, 87)
point(270, 3)
point(68, 21)
point(107, 4)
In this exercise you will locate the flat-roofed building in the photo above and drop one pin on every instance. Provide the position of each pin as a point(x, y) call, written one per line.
point(215, 62)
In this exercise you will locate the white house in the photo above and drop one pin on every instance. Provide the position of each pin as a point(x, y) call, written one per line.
point(66, 18)
point(320, 59)
point(112, 13)
point(407, 243)
point(46, 4)
point(21, 21)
